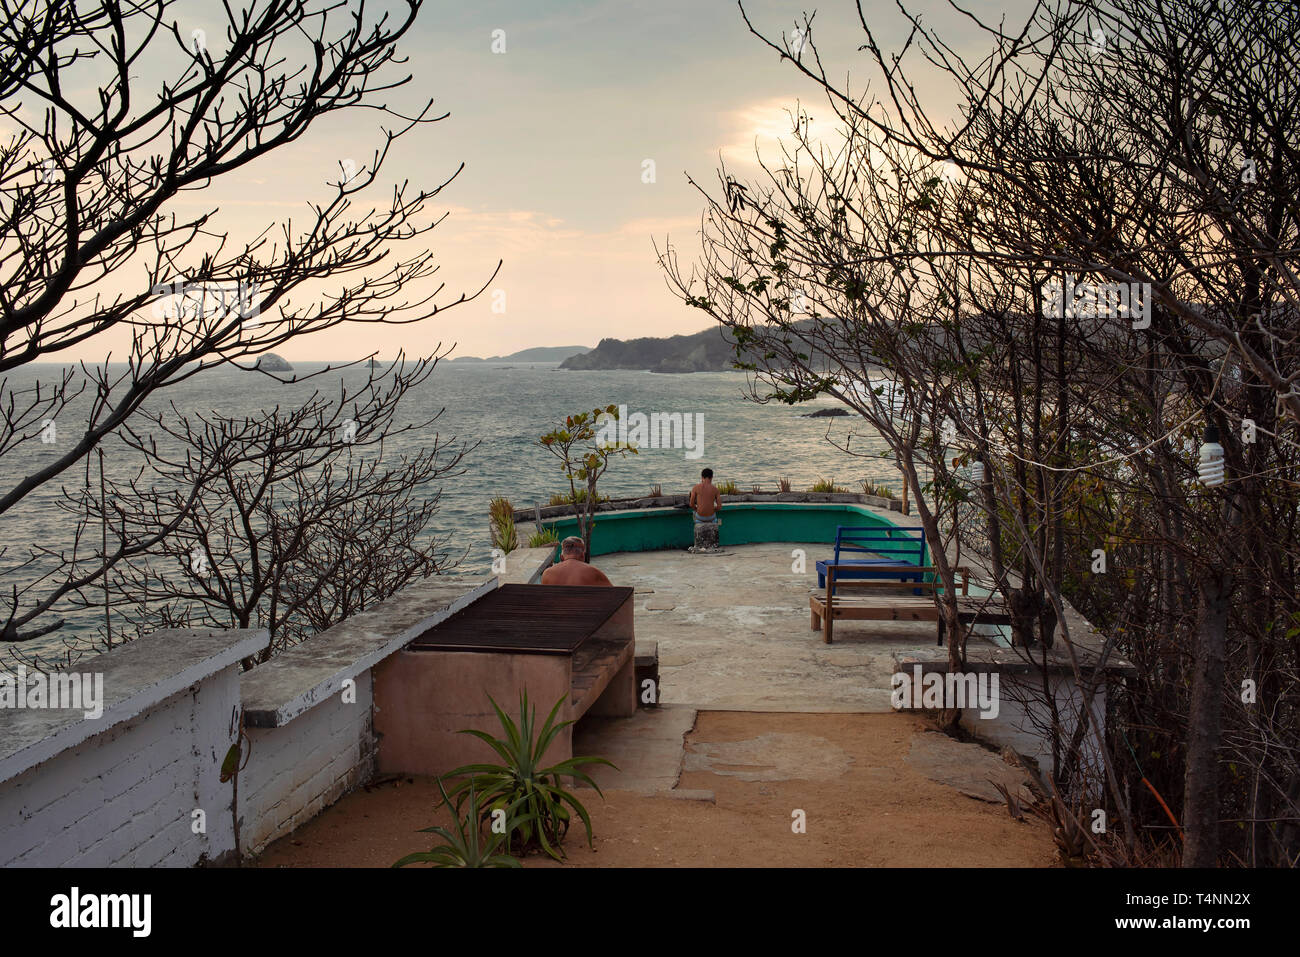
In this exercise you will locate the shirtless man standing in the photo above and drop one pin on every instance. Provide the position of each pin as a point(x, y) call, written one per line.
point(572, 570)
point(705, 500)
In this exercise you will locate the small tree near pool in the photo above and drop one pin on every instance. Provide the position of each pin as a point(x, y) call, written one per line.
point(585, 456)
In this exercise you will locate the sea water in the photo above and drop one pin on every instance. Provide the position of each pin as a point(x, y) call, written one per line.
point(504, 408)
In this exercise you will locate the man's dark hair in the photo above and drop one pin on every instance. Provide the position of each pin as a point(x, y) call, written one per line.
point(707, 473)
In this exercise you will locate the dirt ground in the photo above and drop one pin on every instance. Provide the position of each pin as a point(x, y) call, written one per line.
point(863, 803)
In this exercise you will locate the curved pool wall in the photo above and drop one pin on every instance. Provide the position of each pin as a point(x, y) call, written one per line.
point(743, 523)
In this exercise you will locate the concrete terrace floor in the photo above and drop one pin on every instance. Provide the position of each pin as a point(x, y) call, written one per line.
point(733, 632)
point(757, 716)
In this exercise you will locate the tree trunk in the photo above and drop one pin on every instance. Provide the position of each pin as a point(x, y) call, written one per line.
point(590, 509)
point(1205, 727)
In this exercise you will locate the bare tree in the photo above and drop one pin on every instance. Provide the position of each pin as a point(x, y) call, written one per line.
point(1099, 146)
point(88, 190)
point(313, 520)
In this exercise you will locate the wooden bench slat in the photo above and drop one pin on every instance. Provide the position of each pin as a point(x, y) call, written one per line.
point(898, 601)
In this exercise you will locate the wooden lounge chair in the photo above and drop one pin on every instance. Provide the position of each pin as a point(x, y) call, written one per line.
point(898, 601)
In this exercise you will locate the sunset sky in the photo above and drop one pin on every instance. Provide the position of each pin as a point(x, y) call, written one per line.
point(553, 134)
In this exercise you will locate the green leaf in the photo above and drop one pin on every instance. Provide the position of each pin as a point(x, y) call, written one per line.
point(230, 764)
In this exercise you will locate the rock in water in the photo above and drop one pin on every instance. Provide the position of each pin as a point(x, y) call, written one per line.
point(270, 362)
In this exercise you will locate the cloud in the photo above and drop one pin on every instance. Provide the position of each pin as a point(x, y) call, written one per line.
point(503, 233)
point(760, 128)
point(560, 283)
point(658, 225)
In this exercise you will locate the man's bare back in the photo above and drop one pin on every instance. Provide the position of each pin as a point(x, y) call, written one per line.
point(705, 499)
point(573, 571)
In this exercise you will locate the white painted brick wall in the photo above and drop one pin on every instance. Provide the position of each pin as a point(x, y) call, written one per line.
point(296, 771)
point(126, 796)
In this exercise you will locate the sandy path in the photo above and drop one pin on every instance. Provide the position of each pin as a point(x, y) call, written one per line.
point(864, 805)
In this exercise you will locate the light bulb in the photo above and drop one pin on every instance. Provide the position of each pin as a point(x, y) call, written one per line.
point(1211, 470)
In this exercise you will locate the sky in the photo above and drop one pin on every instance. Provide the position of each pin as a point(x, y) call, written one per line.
point(555, 134)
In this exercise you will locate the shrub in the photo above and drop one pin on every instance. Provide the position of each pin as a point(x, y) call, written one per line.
point(728, 488)
point(784, 484)
point(585, 452)
point(827, 485)
point(504, 535)
point(882, 491)
point(547, 536)
point(465, 846)
point(537, 806)
point(560, 499)
point(656, 491)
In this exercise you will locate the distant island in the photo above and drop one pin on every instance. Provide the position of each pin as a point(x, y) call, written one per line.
point(536, 354)
point(270, 362)
point(704, 351)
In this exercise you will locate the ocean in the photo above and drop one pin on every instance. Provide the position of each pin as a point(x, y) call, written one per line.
point(505, 408)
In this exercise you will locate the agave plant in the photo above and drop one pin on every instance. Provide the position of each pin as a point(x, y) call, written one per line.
point(547, 536)
point(536, 804)
point(465, 846)
point(504, 534)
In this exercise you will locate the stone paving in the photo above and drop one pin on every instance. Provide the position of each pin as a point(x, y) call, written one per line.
point(733, 632)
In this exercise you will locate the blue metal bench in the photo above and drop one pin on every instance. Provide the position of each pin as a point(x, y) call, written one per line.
point(894, 554)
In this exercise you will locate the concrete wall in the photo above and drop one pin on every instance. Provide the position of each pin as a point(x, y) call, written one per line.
point(746, 518)
point(310, 710)
point(122, 789)
point(1023, 717)
point(524, 566)
point(528, 516)
point(296, 771)
point(425, 698)
point(318, 739)
point(126, 797)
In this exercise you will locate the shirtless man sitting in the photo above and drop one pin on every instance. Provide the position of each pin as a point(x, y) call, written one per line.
point(572, 570)
point(705, 500)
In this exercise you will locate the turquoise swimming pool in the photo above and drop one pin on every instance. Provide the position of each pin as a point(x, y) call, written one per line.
point(743, 523)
